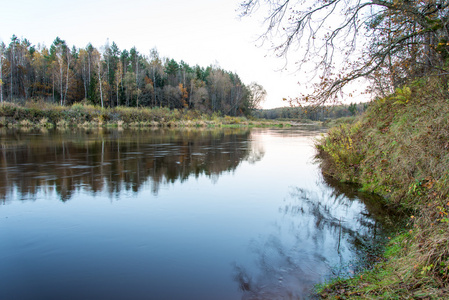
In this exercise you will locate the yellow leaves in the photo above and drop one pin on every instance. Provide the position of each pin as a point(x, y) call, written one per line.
point(349, 144)
point(184, 94)
point(426, 269)
point(402, 96)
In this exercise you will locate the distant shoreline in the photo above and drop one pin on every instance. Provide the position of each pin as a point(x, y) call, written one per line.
point(43, 115)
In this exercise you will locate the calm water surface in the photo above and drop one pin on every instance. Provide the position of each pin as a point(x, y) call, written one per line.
point(187, 214)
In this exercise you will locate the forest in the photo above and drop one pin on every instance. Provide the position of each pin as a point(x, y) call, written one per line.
point(322, 113)
point(110, 77)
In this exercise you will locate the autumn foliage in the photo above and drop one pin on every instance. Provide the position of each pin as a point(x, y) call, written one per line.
point(388, 42)
point(110, 77)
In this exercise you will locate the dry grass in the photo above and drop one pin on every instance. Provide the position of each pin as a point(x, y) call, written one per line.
point(38, 113)
point(400, 150)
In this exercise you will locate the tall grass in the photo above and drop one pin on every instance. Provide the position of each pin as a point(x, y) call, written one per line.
point(39, 113)
point(400, 149)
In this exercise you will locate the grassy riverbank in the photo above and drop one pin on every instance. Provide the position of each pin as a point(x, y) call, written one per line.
point(399, 149)
point(41, 114)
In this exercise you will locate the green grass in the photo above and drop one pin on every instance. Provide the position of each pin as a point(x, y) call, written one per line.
point(399, 149)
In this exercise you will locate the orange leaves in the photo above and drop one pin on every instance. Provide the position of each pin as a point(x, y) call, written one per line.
point(428, 182)
point(184, 95)
point(148, 80)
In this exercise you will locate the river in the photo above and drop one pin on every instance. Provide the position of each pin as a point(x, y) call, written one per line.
point(175, 214)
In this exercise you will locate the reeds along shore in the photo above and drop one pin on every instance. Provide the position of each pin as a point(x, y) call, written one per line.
point(44, 115)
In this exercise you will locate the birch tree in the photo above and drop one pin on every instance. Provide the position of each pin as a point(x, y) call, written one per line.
point(118, 81)
point(98, 62)
point(12, 64)
point(156, 71)
point(257, 96)
point(83, 65)
point(61, 64)
point(2, 51)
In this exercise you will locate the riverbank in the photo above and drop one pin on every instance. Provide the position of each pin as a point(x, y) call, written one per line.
point(399, 149)
point(44, 115)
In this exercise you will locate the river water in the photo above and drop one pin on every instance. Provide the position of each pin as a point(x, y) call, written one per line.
point(175, 214)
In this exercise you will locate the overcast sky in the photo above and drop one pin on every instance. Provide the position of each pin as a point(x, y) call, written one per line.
point(196, 31)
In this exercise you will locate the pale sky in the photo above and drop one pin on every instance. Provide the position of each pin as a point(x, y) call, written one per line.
point(196, 31)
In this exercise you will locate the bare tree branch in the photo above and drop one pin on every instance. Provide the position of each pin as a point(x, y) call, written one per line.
point(401, 38)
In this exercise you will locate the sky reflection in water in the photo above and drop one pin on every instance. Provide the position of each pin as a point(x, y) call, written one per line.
point(187, 214)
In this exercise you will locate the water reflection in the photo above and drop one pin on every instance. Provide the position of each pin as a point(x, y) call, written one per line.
point(329, 231)
point(114, 160)
point(182, 243)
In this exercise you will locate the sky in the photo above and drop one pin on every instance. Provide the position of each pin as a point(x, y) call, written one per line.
point(195, 31)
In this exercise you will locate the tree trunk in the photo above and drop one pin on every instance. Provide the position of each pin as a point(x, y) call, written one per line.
point(88, 64)
point(61, 71)
point(137, 81)
point(109, 82)
point(154, 89)
point(12, 73)
point(99, 79)
point(67, 76)
point(85, 81)
point(1, 78)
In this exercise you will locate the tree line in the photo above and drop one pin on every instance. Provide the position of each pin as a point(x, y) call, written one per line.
point(111, 77)
point(322, 113)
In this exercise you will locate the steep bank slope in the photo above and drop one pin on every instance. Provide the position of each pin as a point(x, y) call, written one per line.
point(400, 149)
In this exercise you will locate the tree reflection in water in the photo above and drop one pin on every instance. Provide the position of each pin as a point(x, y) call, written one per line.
point(332, 229)
point(116, 161)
